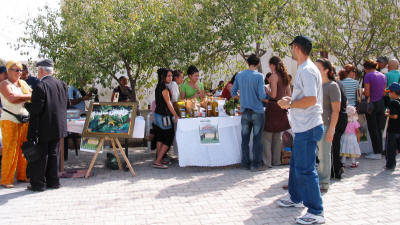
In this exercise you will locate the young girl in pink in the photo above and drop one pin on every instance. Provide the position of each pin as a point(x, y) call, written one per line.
point(351, 138)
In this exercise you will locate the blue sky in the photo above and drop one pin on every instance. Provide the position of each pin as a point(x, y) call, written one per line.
point(13, 15)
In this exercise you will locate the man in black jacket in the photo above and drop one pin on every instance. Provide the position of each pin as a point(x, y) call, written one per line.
point(48, 122)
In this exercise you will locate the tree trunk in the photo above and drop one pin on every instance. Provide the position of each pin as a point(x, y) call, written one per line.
point(131, 80)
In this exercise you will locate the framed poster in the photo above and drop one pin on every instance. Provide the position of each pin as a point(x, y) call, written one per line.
point(111, 119)
point(90, 144)
point(208, 131)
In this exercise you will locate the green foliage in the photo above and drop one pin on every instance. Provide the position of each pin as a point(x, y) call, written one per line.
point(352, 30)
point(231, 105)
point(238, 27)
point(93, 40)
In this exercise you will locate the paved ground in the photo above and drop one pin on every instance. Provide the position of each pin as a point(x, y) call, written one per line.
point(229, 195)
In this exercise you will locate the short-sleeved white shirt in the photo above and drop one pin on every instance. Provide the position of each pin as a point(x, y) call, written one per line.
point(174, 88)
point(307, 82)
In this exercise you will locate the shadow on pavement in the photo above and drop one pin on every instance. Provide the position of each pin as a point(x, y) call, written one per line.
point(4, 198)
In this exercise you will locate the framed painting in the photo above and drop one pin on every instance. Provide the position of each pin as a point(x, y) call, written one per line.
point(90, 144)
point(111, 119)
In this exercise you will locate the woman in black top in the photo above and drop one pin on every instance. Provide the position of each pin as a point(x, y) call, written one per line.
point(164, 131)
point(125, 92)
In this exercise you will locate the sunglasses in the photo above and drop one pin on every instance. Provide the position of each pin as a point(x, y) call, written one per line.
point(17, 70)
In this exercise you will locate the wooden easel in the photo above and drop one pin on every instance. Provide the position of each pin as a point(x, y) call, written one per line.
point(114, 141)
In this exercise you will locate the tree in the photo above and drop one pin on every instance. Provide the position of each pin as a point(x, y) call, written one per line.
point(241, 27)
point(393, 26)
point(93, 40)
point(352, 30)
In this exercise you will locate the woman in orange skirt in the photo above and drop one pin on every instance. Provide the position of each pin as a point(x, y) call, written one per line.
point(13, 93)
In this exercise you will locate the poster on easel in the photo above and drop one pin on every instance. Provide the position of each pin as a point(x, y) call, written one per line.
point(90, 144)
point(111, 119)
point(208, 132)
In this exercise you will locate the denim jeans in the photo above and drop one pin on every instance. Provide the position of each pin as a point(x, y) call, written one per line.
point(376, 123)
point(325, 163)
point(393, 141)
point(252, 121)
point(303, 176)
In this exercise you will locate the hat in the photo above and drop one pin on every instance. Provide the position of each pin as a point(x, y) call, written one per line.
point(3, 69)
point(45, 62)
point(382, 59)
point(395, 87)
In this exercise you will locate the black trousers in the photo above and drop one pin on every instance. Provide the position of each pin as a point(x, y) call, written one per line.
point(393, 146)
point(376, 123)
point(45, 170)
point(339, 130)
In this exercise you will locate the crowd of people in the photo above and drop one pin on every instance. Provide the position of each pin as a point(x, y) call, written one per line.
point(321, 108)
point(32, 109)
point(321, 112)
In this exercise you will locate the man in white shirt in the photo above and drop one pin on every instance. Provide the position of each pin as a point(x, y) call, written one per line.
point(305, 116)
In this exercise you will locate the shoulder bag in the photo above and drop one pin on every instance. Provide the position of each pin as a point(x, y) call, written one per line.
point(31, 150)
point(19, 117)
point(365, 106)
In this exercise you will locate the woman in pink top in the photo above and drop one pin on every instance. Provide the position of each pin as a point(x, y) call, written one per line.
point(375, 85)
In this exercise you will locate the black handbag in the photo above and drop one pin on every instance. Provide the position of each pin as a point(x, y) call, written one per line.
point(365, 106)
point(20, 118)
point(31, 150)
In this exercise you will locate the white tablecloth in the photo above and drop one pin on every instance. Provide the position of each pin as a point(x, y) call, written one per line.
point(76, 126)
point(193, 153)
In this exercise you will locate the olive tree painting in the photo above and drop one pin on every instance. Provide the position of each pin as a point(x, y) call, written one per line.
point(110, 119)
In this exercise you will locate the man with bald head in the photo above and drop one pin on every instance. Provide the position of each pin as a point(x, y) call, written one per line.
point(393, 75)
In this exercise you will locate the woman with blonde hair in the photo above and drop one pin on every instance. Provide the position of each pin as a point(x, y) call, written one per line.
point(14, 92)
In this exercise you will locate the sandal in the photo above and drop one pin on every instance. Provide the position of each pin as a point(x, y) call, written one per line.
point(166, 163)
point(159, 166)
point(8, 185)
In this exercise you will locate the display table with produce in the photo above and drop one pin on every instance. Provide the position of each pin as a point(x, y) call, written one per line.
point(209, 141)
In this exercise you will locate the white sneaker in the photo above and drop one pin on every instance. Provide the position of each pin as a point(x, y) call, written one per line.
point(286, 202)
point(309, 218)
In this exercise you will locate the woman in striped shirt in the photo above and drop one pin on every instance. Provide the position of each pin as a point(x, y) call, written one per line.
point(350, 85)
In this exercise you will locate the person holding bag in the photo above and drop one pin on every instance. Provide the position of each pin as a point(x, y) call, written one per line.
point(14, 92)
point(163, 123)
point(375, 85)
point(276, 119)
point(48, 124)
